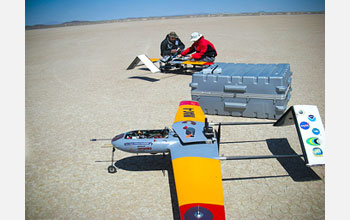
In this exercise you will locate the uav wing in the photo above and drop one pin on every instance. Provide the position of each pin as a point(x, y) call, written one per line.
point(189, 111)
point(198, 63)
point(197, 170)
point(154, 59)
point(192, 62)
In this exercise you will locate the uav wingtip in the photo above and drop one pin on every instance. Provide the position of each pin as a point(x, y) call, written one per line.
point(189, 103)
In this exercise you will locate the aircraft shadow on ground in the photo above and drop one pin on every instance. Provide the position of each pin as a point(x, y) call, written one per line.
point(188, 72)
point(152, 163)
point(295, 167)
point(144, 163)
point(182, 71)
point(149, 79)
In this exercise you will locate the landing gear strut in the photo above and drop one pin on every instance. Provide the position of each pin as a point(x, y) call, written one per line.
point(112, 168)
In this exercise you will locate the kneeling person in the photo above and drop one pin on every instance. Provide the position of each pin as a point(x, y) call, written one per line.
point(171, 45)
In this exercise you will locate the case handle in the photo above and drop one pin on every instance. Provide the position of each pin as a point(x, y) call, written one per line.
point(235, 89)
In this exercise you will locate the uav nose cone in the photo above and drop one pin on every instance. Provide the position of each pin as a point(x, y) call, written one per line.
point(117, 140)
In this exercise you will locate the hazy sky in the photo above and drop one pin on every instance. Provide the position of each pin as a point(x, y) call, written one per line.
point(59, 11)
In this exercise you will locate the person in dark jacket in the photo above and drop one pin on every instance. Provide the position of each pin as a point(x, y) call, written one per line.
point(204, 49)
point(171, 45)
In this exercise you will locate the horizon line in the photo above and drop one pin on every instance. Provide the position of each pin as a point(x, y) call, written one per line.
point(146, 18)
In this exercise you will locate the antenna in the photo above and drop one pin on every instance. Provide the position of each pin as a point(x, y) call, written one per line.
point(218, 135)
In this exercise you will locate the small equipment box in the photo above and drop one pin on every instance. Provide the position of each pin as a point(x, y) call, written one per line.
point(239, 89)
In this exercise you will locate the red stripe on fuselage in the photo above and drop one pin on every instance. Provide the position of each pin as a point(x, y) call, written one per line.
point(218, 211)
point(144, 148)
point(189, 103)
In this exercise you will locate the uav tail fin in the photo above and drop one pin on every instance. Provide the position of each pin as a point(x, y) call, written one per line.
point(310, 130)
point(144, 59)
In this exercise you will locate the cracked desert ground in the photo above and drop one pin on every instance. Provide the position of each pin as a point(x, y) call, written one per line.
point(78, 88)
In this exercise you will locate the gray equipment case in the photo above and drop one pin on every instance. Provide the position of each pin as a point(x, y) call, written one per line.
point(238, 89)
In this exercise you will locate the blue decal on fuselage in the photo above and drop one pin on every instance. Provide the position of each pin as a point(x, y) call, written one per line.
point(137, 143)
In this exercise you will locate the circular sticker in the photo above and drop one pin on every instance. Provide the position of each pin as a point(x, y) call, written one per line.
point(304, 125)
point(316, 131)
point(311, 118)
point(317, 152)
point(198, 212)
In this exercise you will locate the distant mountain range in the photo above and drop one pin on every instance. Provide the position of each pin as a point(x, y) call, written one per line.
point(54, 24)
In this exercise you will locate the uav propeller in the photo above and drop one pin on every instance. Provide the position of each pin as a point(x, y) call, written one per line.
point(218, 135)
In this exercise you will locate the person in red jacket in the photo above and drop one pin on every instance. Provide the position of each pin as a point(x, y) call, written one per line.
point(204, 49)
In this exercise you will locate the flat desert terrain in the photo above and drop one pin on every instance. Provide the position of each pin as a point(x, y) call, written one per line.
point(78, 88)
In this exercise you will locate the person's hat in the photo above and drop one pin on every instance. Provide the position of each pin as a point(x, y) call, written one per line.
point(173, 34)
point(195, 36)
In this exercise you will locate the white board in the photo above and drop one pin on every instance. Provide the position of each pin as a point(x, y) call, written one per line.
point(310, 130)
point(145, 60)
point(312, 133)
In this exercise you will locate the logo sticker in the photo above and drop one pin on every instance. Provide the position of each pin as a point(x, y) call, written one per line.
point(188, 112)
point(137, 143)
point(317, 152)
point(313, 141)
point(198, 212)
point(316, 131)
point(304, 125)
point(311, 118)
